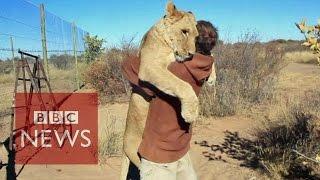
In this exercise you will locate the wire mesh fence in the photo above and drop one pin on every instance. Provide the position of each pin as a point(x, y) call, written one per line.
point(30, 28)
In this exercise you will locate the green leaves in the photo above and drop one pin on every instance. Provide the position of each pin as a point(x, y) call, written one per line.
point(93, 47)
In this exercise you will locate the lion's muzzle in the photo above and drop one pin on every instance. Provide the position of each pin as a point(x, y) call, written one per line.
point(182, 58)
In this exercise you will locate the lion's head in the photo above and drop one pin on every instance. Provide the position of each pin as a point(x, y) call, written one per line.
point(179, 31)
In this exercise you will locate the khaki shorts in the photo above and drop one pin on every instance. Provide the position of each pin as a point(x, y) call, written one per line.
point(181, 169)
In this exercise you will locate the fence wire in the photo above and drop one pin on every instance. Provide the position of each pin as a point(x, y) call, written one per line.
point(20, 29)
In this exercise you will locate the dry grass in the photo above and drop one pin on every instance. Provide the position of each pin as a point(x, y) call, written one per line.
point(289, 115)
point(286, 103)
point(111, 127)
point(64, 80)
point(291, 121)
point(291, 124)
point(301, 57)
point(61, 80)
point(110, 141)
point(6, 78)
point(283, 130)
point(298, 78)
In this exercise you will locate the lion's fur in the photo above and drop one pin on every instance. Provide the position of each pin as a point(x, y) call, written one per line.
point(162, 44)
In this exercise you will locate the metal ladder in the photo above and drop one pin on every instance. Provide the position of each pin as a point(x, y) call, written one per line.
point(35, 77)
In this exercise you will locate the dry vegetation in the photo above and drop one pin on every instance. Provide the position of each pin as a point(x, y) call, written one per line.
point(248, 78)
point(250, 82)
point(247, 73)
point(301, 57)
point(289, 127)
point(109, 136)
point(105, 75)
point(61, 80)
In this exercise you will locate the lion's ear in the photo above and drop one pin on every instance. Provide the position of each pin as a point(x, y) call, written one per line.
point(172, 10)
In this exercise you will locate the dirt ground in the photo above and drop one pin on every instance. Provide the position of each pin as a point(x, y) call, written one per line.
point(211, 130)
point(296, 77)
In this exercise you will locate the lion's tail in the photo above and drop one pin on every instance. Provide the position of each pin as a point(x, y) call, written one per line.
point(124, 167)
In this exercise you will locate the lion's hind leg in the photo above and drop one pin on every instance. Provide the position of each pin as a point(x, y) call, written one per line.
point(128, 169)
point(124, 167)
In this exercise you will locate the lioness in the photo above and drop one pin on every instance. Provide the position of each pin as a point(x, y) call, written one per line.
point(173, 37)
point(137, 114)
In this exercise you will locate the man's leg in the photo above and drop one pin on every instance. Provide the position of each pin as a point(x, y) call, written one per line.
point(154, 171)
point(185, 170)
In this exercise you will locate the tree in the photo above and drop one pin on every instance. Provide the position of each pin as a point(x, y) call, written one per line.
point(63, 61)
point(93, 47)
point(312, 36)
point(312, 40)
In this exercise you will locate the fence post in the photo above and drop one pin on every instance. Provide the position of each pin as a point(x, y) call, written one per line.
point(75, 49)
point(12, 51)
point(44, 39)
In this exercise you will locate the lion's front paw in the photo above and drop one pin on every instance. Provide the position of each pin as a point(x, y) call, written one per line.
point(190, 110)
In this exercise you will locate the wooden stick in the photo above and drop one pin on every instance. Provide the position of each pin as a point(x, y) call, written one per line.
point(300, 154)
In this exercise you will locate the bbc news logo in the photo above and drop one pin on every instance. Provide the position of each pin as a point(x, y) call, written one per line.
point(68, 135)
point(56, 118)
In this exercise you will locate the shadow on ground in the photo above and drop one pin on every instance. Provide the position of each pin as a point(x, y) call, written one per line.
point(10, 165)
point(246, 151)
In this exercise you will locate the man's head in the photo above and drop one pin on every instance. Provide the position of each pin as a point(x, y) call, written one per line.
point(208, 37)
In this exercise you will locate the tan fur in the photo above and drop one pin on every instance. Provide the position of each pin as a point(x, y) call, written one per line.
point(3, 154)
point(164, 43)
point(173, 37)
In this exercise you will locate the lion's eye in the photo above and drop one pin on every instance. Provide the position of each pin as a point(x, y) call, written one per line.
point(185, 31)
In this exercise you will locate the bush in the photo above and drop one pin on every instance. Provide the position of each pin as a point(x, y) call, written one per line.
point(63, 61)
point(106, 76)
point(93, 48)
point(290, 135)
point(6, 66)
point(286, 146)
point(288, 46)
point(246, 74)
point(278, 144)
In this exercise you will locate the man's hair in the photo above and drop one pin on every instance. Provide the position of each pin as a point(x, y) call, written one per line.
point(208, 37)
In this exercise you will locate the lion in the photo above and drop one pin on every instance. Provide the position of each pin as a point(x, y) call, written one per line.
point(172, 38)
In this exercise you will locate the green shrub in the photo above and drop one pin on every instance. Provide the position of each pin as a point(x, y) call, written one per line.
point(93, 48)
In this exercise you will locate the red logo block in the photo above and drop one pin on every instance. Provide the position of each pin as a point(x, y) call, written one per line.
point(59, 130)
